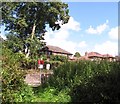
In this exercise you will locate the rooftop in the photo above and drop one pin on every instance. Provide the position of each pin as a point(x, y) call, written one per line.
point(58, 50)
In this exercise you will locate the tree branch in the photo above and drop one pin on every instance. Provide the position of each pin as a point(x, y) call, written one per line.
point(33, 31)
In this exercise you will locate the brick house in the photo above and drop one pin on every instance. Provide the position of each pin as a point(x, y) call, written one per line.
point(54, 50)
point(97, 56)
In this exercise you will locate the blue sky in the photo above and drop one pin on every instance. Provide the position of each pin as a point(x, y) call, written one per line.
point(93, 26)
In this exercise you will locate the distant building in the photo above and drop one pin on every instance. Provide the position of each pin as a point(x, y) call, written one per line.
point(54, 50)
point(117, 58)
point(96, 56)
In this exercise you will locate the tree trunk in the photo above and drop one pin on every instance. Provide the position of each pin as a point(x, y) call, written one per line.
point(33, 31)
point(27, 55)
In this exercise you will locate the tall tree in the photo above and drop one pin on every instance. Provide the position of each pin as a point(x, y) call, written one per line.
point(29, 19)
point(77, 54)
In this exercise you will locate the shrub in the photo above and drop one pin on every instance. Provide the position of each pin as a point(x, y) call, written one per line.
point(58, 58)
point(13, 85)
point(96, 82)
point(51, 94)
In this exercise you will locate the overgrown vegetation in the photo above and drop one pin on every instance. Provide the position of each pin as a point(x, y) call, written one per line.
point(96, 82)
point(57, 60)
point(53, 60)
point(13, 86)
point(84, 81)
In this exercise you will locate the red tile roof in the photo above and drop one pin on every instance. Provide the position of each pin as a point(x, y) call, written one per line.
point(58, 50)
point(107, 56)
point(93, 54)
point(96, 54)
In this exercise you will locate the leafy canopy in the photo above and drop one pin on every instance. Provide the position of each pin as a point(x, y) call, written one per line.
point(27, 21)
point(20, 17)
point(77, 54)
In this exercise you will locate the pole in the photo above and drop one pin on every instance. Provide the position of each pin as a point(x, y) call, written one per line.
point(40, 66)
point(40, 75)
point(40, 69)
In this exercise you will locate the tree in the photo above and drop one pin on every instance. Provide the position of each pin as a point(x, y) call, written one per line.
point(28, 20)
point(77, 54)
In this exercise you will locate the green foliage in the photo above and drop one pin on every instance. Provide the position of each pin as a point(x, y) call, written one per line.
point(18, 20)
point(51, 94)
point(83, 81)
point(77, 54)
point(102, 88)
point(43, 56)
point(15, 45)
point(13, 85)
point(58, 58)
point(35, 46)
point(96, 82)
point(18, 16)
point(25, 94)
point(13, 42)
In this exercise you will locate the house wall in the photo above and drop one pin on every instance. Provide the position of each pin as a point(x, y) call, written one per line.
point(109, 59)
point(61, 54)
point(48, 52)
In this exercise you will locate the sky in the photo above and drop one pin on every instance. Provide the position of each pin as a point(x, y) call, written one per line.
point(92, 27)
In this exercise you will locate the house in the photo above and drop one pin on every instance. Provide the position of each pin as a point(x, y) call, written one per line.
point(95, 56)
point(108, 57)
point(98, 56)
point(117, 58)
point(54, 50)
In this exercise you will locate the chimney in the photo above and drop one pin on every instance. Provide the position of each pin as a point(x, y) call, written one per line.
point(86, 53)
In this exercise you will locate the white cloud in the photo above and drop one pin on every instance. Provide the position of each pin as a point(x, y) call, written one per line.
point(98, 30)
point(113, 34)
point(91, 30)
point(62, 42)
point(61, 37)
point(107, 47)
point(71, 25)
point(82, 44)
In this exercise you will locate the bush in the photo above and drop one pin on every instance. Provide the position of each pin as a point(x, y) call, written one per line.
point(58, 58)
point(96, 82)
point(83, 81)
point(102, 88)
point(13, 85)
point(51, 94)
point(55, 60)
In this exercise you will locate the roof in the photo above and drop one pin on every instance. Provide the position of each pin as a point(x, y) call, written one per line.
point(84, 58)
point(107, 56)
point(58, 50)
point(94, 54)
